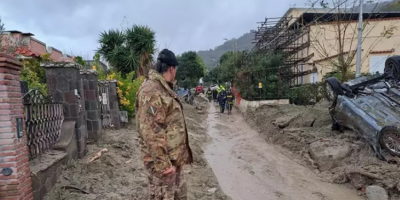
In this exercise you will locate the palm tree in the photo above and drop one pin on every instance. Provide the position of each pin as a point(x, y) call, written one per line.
point(142, 39)
point(129, 50)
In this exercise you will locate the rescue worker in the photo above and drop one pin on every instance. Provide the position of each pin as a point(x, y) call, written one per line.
point(222, 98)
point(229, 101)
point(163, 136)
point(215, 95)
point(209, 94)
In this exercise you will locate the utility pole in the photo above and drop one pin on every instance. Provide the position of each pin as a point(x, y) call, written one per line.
point(360, 27)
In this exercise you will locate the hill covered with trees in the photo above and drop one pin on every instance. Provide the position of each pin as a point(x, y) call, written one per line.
point(211, 57)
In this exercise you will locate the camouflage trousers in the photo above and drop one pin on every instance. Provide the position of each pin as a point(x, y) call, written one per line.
point(168, 187)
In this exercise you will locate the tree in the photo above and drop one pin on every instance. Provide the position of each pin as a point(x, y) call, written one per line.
point(263, 67)
point(213, 75)
point(128, 50)
point(225, 57)
point(200, 61)
point(142, 40)
point(79, 60)
point(336, 42)
point(191, 69)
point(229, 65)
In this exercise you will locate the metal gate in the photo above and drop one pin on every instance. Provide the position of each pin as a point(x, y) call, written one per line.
point(104, 91)
point(43, 120)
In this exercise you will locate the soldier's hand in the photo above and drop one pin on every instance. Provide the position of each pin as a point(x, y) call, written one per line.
point(170, 170)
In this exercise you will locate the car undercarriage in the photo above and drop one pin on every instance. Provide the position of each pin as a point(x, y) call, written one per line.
point(370, 106)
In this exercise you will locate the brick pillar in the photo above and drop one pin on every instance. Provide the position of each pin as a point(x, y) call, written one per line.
point(15, 179)
point(114, 106)
point(63, 81)
point(93, 111)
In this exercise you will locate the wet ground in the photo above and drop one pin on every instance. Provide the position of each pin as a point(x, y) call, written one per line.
point(119, 174)
point(249, 168)
point(231, 158)
point(304, 133)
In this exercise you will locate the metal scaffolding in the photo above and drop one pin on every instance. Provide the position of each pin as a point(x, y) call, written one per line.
point(289, 36)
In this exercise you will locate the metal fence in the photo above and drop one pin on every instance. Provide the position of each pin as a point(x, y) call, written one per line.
point(43, 120)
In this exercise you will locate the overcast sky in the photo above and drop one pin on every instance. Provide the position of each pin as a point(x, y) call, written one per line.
point(180, 25)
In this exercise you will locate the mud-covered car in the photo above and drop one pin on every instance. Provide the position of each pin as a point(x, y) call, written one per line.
point(370, 106)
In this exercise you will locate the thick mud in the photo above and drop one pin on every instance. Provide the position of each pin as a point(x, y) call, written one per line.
point(249, 168)
point(119, 173)
point(345, 158)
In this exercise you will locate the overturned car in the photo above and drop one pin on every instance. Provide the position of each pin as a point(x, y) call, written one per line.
point(370, 106)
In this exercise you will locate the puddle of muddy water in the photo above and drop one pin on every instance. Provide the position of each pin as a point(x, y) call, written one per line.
point(248, 168)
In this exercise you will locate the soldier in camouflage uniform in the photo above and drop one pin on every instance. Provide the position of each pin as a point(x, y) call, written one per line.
point(162, 130)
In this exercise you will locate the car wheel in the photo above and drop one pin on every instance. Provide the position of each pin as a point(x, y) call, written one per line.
point(333, 88)
point(389, 139)
point(335, 126)
point(392, 66)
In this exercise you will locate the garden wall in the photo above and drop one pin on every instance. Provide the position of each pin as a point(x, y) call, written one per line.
point(244, 104)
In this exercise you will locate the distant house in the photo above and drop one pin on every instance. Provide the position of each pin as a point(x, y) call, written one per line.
point(309, 39)
point(24, 46)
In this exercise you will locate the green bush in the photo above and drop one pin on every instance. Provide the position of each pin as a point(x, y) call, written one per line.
point(34, 74)
point(127, 88)
point(306, 94)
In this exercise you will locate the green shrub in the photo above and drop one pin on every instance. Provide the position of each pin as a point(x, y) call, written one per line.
point(306, 94)
point(34, 74)
point(126, 88)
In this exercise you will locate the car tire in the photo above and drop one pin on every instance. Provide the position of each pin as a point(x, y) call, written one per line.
point(335, 126)
point(392, 66)
point(384, 134)
point(334, 84)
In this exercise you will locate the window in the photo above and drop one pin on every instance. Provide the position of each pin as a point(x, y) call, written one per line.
point(314, 77)
point(377, 63)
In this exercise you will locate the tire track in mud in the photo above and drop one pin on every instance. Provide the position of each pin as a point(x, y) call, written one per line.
point(249, 168)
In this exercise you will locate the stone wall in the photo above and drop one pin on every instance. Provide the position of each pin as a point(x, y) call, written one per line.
point(114, 106)
point(15, 180)
point(91, 94)
point(243, 104)
point(64, 85)
point(81, 125)
point(46, 171)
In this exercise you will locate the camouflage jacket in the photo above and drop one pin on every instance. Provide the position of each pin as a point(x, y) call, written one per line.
point(161, 125)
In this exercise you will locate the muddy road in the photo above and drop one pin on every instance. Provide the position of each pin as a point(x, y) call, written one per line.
point(119, 174)
point(247, 167)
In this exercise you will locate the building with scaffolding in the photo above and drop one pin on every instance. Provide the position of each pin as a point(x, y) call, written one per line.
point(315, 41)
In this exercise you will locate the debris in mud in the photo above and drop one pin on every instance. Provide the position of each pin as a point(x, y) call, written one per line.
point(200, 112)
point(374, 192)
point(359, 181)
point(98, 154)
point(69, 187)
point(329, 153)
point(341, 179)
point(120, 174)
point(306, 132)
point(212, 190)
